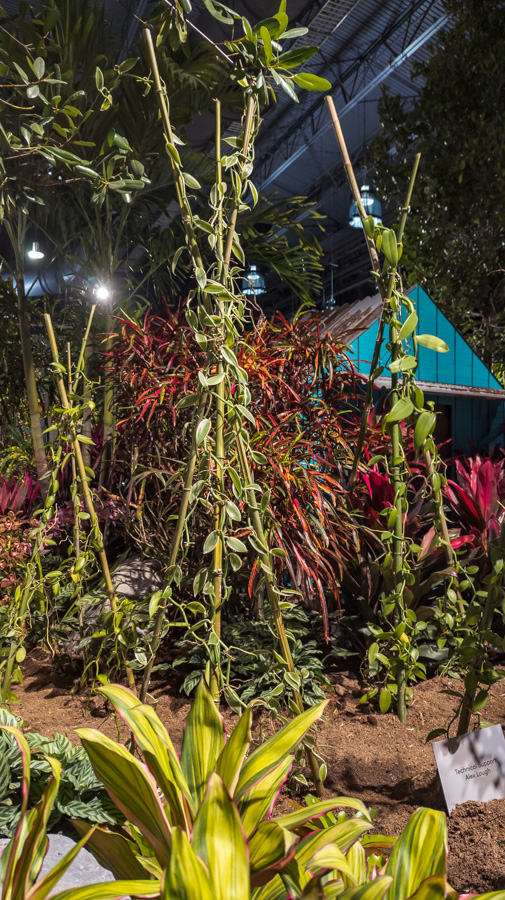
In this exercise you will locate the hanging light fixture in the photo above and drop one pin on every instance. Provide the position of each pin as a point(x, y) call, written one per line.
point(371, 205)
point(253, 283)
point(36, 252)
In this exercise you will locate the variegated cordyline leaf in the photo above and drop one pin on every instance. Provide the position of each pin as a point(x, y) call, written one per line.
point(419, 852)
point(203, 742)
point(273, 751)
point(131, 787)
point(153, 740)
point(219, 840)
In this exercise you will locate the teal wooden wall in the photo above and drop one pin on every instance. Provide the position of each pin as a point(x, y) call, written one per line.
point(476, 422)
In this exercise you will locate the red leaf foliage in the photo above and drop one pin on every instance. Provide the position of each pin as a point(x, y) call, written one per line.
point(304, 404)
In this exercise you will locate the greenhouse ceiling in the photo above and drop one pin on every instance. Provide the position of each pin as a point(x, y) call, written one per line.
point(364, 45)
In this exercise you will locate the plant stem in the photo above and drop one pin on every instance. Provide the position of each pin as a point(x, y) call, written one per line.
point(88, 500)
point(175, 545)
point(398, 539)
point(490, 605)
point(442, 522)
point(17, 240)
point(273, 592)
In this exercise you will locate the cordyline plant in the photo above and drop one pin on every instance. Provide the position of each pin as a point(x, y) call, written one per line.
point(217, 313)
point(201, 826)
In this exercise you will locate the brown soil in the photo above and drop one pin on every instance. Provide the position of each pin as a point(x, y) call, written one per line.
point(370, 756)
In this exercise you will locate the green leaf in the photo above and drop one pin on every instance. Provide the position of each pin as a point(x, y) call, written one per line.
point(480, 701)
point(389, 247)
point(233, 510)
point(201, 277)
point(270, 847)
point(211, 542)
point(419, 852)
point(402, 409)
point(236, 544)
point(39, 67)
point(202, 431)
point(432, 343)
point(312, 82)
point(173, 153)
point(110, 890)
point(294, 33)
point(330, 857)
point(267, 43)
point(113, 851)
point(220, 12)
point(385, 700)
point(5, 776)
point(374, 890)
point(404, 364)
point(424, 426)
point(257, 803)
point(408, 326)
point(296, 57)
point(315, 810)
point(202, 743)
point(190, 181)
point(280, 745)
point(130, 787)
point(186, 877)
point(218, 839)
point(234, 752)
point(286, 85)
point(127, 64)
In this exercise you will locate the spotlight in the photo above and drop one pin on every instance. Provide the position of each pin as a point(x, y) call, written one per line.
point(102, 292)
point(36, 252)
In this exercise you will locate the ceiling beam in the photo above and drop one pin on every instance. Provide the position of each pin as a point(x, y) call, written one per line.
point(370, 86)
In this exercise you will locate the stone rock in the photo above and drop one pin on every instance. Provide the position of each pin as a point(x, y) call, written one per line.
point(137, 577)
point(83, 871)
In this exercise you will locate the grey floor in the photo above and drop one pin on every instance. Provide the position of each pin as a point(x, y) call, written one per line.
point(83, 871)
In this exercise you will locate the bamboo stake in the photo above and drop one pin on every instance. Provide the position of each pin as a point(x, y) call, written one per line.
point(220, 420)
point(384, 290)
point(88, 500)
point(195, 251)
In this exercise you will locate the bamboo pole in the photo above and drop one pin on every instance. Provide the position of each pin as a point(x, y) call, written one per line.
point(384, 290)
point(88, 500)
point(220, 421)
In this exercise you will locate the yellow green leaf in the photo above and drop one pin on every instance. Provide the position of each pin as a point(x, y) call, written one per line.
point(202, 743)
point(419, 852)
point(186, 877)
point(219, 840)
point(233, 754)
point(273, 751)
point(131, 787)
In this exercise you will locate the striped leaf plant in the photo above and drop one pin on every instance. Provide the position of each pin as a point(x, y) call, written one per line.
point(214, 801)
point(200, 825)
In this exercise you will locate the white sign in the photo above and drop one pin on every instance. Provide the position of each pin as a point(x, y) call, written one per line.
point(472, 766)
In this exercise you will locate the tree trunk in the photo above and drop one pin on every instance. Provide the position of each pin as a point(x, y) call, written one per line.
point(36, 423)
